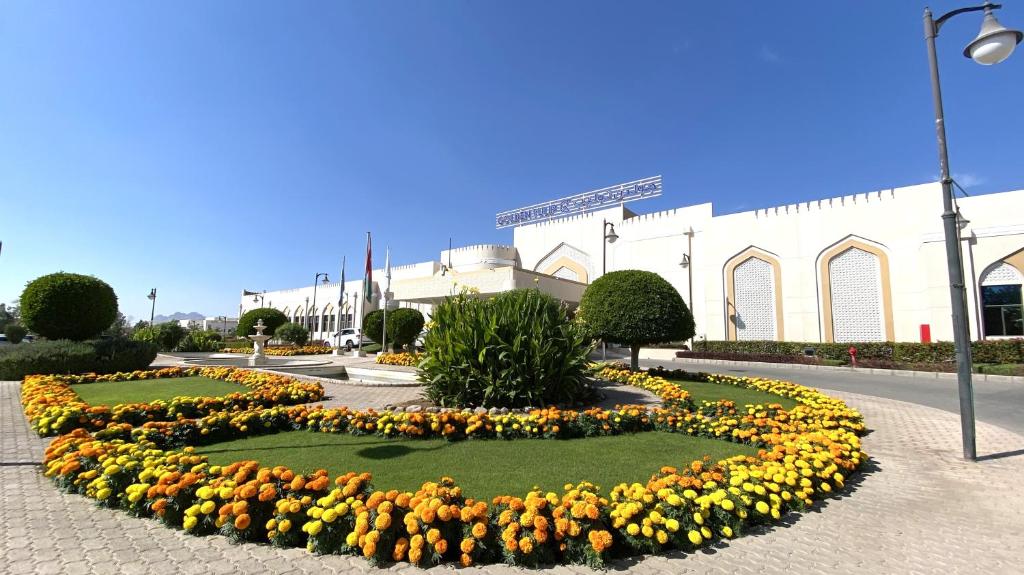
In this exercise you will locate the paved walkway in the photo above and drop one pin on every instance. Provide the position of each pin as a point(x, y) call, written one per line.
point(997, 402)
point(921, 510)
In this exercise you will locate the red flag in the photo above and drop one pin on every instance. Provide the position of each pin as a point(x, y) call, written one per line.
point(368, 275)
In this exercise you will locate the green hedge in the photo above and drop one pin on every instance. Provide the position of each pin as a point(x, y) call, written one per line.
point(990, 351)
point(63, 357)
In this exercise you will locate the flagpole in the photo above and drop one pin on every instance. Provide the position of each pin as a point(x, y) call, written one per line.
point(384, 297)
point(367, 286)
point(341, 304)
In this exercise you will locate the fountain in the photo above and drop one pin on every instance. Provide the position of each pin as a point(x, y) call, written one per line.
point(258, 357)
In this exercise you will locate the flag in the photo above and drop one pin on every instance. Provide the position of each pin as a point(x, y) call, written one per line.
point(368, 274)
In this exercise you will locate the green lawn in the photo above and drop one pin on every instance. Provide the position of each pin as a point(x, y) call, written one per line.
point(114, 392)
point(484, 468)
point(704, 391)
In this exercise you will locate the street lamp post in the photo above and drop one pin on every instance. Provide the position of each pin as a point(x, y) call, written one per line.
point(608, 237)
point(152, 309)
point(687, 264)
point(992, 45)
point(316, 322)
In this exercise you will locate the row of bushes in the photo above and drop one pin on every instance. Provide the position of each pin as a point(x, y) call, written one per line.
point(63, 356)
point(761, 357)
point(990, 351)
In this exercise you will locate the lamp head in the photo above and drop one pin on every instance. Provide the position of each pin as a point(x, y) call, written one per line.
point(325, 280)
point(686, 261)
point(994, 43)
point(611, 236)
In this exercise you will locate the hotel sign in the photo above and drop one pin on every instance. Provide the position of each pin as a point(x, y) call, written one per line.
point(581, 203)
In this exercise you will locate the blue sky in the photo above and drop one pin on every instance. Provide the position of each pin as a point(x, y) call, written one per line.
point(205, 147)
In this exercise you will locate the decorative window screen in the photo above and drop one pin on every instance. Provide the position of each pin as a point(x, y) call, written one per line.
point(856, 287)
point(1002, 274)
point(754, 285)
point(566, 274)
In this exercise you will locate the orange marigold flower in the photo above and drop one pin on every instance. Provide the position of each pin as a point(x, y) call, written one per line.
point(242, 521)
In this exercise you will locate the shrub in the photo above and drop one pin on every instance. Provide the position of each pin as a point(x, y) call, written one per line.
point(373, 326)
point(64, 357)
point(271, 317)
point(404, 325)
point(15, 332)
point(68, 306)
point(517, 349)
point(199, 340)
point(166, 336)
point(635, 308)
point(292, 333)
point(990, 351)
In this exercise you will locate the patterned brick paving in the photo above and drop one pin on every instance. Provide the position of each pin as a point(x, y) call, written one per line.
point(921, 510)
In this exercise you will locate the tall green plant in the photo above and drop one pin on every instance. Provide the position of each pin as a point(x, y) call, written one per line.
point(517, 349)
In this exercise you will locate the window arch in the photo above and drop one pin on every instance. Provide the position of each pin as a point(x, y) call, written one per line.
point(754, 302)
point(856, 297)
point(1001, 300)
point(566, 262)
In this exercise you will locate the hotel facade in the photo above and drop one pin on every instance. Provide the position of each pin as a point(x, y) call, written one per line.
point(865, 267)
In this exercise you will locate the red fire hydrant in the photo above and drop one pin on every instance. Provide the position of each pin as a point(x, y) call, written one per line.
point(853, 356)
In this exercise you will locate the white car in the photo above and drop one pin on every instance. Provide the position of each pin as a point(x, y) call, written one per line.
point(349, 338)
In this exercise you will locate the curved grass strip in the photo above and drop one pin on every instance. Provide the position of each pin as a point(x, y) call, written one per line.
point(53, 407)
point(806, 454)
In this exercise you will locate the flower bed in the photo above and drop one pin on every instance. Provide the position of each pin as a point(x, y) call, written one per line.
point(52, 407)
point(402, 358)
point(283, 350)
point(807, 453)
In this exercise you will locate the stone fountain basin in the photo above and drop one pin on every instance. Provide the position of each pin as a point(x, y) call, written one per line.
point(217, 360)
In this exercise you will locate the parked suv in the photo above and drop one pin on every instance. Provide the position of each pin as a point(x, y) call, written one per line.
point(350, 338)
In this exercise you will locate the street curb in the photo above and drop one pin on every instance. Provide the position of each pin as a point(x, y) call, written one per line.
point(871, 370)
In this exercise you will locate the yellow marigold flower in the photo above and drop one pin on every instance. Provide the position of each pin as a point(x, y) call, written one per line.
point(352, 539)
point(433, 536)
point(284, 526)
point(728, 505)
point(314, 527)
point(525, 545)
point(672, 525)
point(761, 507)
point(694, 537)
point(727, 531)
point(633, 529)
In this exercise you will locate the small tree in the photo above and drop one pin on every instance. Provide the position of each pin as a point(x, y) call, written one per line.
point(373, 327)
point(15, 332)
point(635, 308)
point(271, 317)
point(68, 306)
point(404, 325)
point(292, 333)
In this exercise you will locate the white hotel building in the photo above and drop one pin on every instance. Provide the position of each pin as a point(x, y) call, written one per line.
point(866, 267)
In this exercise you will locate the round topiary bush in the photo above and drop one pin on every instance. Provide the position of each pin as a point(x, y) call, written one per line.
point(373, 326)
point(404, 325)
point(15, 332)
point(68, 306)
point(292, 333)
point(271, 317)
point(635, 308)
point(515, 350)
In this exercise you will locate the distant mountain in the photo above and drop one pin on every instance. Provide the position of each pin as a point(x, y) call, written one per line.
point(178, 315)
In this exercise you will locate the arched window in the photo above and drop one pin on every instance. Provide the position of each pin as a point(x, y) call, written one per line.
point(855, 287)
point(754, 304)
point(1001, 303)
